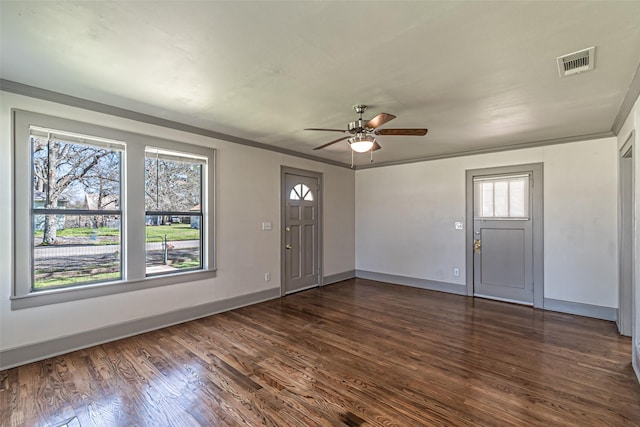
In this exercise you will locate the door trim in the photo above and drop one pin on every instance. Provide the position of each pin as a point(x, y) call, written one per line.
point(283, 198)
point(626, 301)
point(536, 170)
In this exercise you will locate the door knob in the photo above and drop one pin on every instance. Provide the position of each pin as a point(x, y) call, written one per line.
point(476, 245)
point(288, 247)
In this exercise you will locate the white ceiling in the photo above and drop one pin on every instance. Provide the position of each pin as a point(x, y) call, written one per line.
point(479, 75)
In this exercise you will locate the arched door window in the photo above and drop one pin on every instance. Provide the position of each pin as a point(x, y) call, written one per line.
point(301, 192)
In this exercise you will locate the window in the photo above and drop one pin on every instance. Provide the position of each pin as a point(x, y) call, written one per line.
point(173, 196)
point(301, 192)
point(501, 197)
point(76, 208)
point(100, 211)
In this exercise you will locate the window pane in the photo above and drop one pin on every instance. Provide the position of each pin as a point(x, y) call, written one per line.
point(293, 195)
point(501, 199)
point(301, 192)
point(307, 194)
point(72, 175)
point(173, 244)
point(172, 185)
point(487, 199)
point(173, 189)
point(86, 249)
point(517, 197)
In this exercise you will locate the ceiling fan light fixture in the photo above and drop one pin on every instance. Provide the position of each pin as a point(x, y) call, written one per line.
point(361, 143)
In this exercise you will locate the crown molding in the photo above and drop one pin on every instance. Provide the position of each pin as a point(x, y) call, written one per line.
point(510, 147)
point(60, 98)
point(47, 95)
point(627, 104)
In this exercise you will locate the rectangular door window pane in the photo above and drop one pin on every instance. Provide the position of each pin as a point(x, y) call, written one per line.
point(486, 199)
point(517, 192)
point(501, 197)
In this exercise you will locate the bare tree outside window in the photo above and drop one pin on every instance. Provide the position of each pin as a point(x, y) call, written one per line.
point(76, 209)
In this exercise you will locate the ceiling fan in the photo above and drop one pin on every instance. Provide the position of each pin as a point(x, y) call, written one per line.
point(362, 135)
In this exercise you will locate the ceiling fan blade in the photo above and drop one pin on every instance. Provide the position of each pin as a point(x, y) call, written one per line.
point(410, 132)
point(379, 120)
point(376, 147)
point(332, 142)
point(327, 130)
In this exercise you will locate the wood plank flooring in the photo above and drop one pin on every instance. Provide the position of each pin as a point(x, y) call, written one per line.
point(357, 353)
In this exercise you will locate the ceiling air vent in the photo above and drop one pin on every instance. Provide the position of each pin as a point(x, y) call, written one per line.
point(576, 62)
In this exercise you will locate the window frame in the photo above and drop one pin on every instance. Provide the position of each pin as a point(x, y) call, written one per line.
point(36, 211)
point(478, 183)
point(302, 194)
point(183, 157)
point(132, 220)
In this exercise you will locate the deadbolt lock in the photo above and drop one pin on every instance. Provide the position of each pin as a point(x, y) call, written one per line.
point(288, 247)
point(476, 245)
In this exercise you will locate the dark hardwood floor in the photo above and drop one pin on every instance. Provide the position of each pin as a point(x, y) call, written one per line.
point(354, 353)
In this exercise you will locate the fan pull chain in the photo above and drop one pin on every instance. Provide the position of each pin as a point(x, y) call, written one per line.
point(351, 159)
point(371, 151)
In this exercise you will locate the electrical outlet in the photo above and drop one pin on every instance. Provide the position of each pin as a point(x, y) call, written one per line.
point(267, 277)
point(456, 272)
point(459, 225)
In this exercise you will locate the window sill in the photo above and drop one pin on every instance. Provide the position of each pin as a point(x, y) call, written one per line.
point(56, 296)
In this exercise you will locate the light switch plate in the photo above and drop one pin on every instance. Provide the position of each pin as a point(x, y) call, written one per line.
point(459, 225)
point(266, 225)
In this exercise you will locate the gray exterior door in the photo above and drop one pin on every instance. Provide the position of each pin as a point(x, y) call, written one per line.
point(301, 225)
point(503, 238)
